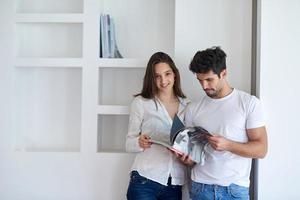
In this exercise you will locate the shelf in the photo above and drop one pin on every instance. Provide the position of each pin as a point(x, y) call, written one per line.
point(118, 85)
point(112, 110)
point(53, 18)
point(112, 131)
point(49, 40)
point(48, 62)
point(47, 114)
point(49, 6)
point(122, 62)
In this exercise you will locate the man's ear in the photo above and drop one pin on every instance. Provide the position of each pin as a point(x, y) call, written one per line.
point(223, 73)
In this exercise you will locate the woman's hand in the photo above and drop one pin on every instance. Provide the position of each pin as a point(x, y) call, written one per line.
point(144, 141)
point(185, 159)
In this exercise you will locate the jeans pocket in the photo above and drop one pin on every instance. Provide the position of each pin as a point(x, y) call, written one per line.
point(237, 191)
point(136, 178)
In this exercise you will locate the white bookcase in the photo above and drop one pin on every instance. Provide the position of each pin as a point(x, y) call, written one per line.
point(68, 99)
point(65, 110)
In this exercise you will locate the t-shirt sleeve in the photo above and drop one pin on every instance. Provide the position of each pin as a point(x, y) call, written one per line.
point(255, 118)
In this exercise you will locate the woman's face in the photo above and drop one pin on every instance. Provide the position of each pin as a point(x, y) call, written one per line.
point(164, 77)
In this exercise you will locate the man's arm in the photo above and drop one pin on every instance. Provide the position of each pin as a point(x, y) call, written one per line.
point(256, 147)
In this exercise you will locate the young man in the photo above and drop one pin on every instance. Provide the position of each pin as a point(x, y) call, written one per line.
point(234, 118)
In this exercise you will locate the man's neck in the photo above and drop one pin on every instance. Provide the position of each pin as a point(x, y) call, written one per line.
point(226, 90)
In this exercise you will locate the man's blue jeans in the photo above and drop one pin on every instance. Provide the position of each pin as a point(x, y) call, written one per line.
point(141, 188)
point(199, 191)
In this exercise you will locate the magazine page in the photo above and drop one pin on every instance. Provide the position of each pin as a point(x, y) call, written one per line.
point(167, 145)
point(185, 140)
point(191, 141)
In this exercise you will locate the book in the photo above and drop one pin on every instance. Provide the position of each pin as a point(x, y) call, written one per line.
point(108, 44)
point(115, 50)
point(186, 140)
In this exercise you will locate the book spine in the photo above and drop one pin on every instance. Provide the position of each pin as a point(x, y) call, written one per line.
point(101, 36)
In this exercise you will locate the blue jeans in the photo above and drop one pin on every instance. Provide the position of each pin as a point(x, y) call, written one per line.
point(141, 188)
point(199, 191)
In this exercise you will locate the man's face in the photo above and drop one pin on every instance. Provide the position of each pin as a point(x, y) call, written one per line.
point(211, 83)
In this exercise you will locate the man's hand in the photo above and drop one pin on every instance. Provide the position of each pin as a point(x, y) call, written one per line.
point(144, 141)
point(255, 147)
point(219, 143)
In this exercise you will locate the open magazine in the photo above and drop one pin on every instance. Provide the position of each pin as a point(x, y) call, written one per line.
point(186, 140)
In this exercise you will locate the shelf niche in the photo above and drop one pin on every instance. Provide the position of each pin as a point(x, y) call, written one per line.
point(49, 40)
point(47, 116)
point(142, 27)
point(118, 85)
point(112, 131)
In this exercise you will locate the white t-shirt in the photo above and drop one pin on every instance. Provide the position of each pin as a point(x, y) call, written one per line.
point(156, 163)
point(229, 117)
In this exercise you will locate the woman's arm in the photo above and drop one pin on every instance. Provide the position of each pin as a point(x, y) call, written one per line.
point(134, 127)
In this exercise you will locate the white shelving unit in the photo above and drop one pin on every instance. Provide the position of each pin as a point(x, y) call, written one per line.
point(53, 18)
point(46, 62)
point(63, 121)
point(57, 60)
point(48, 75)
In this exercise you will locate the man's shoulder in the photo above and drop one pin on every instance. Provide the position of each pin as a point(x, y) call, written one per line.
point(242, 93)
point(245, 96)
point(247, 99)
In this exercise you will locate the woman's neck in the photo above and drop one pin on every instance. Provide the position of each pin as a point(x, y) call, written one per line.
point(167, 97)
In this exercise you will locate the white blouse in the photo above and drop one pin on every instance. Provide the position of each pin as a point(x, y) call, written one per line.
point(156, 163)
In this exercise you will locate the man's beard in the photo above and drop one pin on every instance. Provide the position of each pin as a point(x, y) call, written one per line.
point(212, 94)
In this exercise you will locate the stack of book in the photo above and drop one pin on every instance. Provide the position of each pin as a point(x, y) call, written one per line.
point(108, 46)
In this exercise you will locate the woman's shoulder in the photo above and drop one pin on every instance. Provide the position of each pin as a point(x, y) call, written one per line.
point(140, 100)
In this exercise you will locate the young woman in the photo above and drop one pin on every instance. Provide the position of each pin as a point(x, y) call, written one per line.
point(156, 172)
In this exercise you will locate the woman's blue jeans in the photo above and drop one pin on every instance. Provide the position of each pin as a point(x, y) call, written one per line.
point(199, 191)
point(141, 188)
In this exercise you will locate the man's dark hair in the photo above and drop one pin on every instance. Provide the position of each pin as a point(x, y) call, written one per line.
point(210, 59)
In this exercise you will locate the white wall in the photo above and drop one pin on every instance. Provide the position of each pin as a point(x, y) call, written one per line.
point(6, 52)
point(279, 172)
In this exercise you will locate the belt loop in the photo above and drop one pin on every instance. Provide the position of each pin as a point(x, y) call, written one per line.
point(170, 180)
point(202, 187)
point(228, 189)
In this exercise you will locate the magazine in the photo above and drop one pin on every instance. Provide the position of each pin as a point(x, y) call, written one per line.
point(186, 140)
